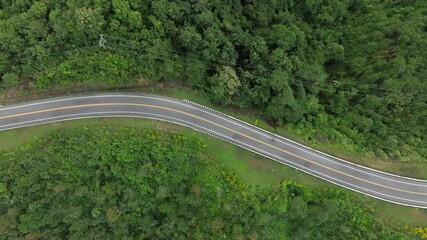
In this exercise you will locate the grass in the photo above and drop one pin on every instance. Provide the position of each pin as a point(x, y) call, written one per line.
point(254, 169)
point(415, 170)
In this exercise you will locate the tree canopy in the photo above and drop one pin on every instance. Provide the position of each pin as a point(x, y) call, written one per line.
point(348, 72)
point(122, 183)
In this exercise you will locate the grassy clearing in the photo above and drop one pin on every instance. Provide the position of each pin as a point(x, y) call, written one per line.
point(254, 169)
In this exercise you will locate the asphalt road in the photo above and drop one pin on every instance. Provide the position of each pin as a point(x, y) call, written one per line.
point(388, 187)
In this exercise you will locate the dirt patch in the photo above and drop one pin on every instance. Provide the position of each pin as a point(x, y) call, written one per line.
point(59, 188)
point(172, 128)
point(196, 190)
point(259, 163)
point(419, 215)
point(28, 82)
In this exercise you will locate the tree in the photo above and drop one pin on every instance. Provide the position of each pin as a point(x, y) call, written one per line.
point(328, 58)
point(284, 108)
point(225, 83)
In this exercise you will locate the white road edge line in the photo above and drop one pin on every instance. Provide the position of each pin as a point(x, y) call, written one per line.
point(186, 124)
point(248, 126)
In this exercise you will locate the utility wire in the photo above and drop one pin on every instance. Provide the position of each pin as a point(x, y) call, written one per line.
point(304, 77)
point(324, 88)
point(202, 62)
point(359, 88)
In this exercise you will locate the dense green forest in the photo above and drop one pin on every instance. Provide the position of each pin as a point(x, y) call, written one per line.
point(122, 183)
point(350, 72)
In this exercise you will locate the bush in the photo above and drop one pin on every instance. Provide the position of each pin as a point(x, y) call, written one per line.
point(9, 80)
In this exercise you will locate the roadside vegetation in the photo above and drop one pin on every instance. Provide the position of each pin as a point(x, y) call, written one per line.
point(108, 182)
point(346, 77)
point(254, 170)
point(349, 73)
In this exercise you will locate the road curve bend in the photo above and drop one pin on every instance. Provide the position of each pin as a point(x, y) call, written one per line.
point(374, 183)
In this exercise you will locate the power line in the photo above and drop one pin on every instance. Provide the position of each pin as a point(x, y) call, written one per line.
point(358, 87)
point(323, 88)
point(201, 62)
point(302, 77)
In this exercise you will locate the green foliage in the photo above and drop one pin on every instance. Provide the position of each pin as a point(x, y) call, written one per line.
point(225, 84)
point(121, 183)
point(362, 63)
point(9, 80)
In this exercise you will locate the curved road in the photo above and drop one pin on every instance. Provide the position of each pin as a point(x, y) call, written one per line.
point(392, 188)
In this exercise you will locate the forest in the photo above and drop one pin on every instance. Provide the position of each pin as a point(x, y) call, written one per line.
point(109, 182)
point(346, 72)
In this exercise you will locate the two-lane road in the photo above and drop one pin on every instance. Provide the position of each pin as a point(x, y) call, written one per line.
point(392, 188)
